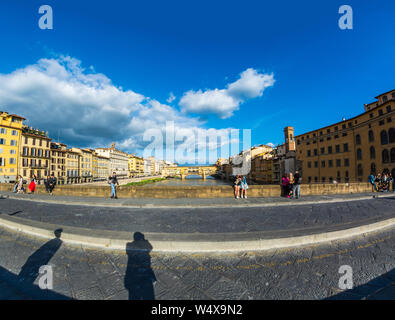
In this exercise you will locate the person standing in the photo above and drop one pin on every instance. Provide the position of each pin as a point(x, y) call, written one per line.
point(32, 185)
point(46, 183)
point(291, 185)
point(52, 183)
point(296, 185)
point(20, 188)
point(113, 181)
point(285, 184)
point(372, 181)
point(16, 185)
point(244, 187)
point(236, 185)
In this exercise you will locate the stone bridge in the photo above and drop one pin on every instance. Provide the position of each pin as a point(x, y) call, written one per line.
point(202, 171)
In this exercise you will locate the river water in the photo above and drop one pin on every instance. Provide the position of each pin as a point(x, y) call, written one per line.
point(192, 180)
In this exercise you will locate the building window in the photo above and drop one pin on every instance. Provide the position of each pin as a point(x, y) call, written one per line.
point(308, 153)
point(357, 139)
point(329, 150)
point(389, 120)
point(388, 108)
point(2, 141)
point(323, 179)
point(323, 164)
point(3, 131)
point(359, 170)
point(373, 168)
point(372, 153)
point(315, 164)
point(385, 156)
point(315, 179)
point(371, 115)
point(359, 154)
point(393, 158)
point(345, 147)
point(309, 179)
point(371, 136)
point(14, 132)
point(309, 164)
point(316, 152)
point(384, 137)
point(391, 133)
point(380, 112)
point(337, 148)
point(322, 150)
point(347, 162)
point(381, 122)
point(338, 163)
point(330, 163)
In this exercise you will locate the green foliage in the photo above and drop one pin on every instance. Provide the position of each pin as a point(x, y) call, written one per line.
point(143, 182)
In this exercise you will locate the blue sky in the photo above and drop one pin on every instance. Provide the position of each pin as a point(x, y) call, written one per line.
point(154, 48)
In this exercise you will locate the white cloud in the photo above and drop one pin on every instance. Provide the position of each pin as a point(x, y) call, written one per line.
point(85, 108)
point(171, 98)
point(270, 144)
point(223, 102)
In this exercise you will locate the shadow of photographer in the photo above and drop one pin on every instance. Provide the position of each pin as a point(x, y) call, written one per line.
point(139, 276)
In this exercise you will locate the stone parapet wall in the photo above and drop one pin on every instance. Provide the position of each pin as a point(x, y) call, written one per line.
point(197, 191)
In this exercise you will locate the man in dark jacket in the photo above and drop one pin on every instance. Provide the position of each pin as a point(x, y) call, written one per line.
point(113, 181)
point(46, 183)
point(296, 186)
point(51, 183)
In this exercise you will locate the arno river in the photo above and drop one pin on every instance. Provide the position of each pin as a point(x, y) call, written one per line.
point(192, 180)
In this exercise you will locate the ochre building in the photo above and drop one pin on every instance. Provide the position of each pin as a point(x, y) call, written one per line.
point(348, 151)
point(10, 136)
point(34, 154)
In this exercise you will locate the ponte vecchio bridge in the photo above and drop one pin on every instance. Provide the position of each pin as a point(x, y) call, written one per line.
point(202, 171)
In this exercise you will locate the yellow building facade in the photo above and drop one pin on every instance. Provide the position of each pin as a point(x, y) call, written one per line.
point(58, 161)
point(135, 166)
point(101, 167)
point(73, 166)
point(348, 151)
point(10, 136)
point(35, 154)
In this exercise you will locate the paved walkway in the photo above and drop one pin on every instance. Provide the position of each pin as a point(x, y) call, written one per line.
point(274, 221)
point(192, 202)
point(300, 273)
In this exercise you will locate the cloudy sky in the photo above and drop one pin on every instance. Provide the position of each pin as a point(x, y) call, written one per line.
point(121, 73)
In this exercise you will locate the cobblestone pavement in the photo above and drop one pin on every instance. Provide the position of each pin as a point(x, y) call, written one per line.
point(299, 273)
point(316, 217)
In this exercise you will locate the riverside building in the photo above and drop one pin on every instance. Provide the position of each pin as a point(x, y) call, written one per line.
point(10, 136)
point(349, 150)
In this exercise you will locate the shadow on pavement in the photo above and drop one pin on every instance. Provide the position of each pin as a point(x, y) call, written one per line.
point(380, 288)
point(30, 270)
point(139, 276)
point(22, 285)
